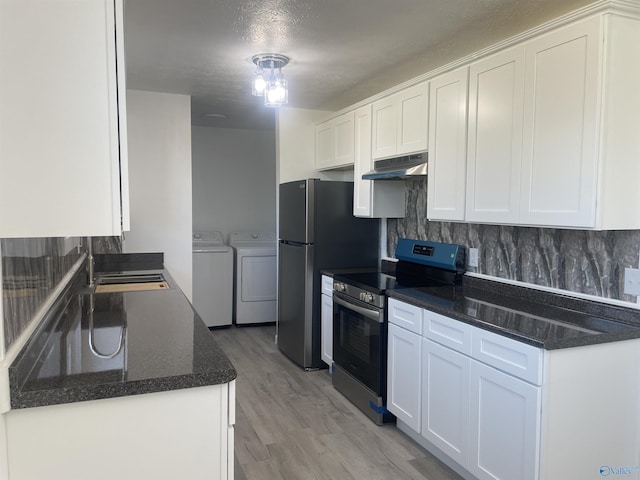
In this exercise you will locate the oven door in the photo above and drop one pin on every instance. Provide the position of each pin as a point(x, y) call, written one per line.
point(359, 341)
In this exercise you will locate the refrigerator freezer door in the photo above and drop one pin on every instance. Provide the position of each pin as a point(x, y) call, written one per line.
point(296, 211)
point(295, 316)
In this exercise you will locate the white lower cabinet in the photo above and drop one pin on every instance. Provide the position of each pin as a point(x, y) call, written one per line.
point(505, 425)
point(494, 408)
point(326, 323)
point(403, 379)
point(445, 400)
point(483, 417)
point(184, 433)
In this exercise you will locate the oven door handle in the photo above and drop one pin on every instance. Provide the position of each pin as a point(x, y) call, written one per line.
point(365, 312)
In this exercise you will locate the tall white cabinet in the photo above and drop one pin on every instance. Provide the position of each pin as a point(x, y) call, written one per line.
point(494, 164)
point(63, 149)
point(560, 135)
point(447, 146)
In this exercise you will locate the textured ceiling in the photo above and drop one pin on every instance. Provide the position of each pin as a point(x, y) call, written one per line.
point(342, 51)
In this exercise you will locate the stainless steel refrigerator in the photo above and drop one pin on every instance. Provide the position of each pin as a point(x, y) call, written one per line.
point(317, 230)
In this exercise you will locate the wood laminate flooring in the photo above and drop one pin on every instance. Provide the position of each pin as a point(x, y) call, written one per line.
point(293, 425)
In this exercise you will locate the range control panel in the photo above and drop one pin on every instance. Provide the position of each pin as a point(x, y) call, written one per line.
point(448, 256)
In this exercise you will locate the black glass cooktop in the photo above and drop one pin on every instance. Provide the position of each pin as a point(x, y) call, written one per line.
point(377, 282)
point(374, 282)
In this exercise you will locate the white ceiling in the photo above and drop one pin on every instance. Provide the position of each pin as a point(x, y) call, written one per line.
point(342, 51)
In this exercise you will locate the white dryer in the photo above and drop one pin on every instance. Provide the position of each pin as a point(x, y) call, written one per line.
point(212, 278)
point(255, 277)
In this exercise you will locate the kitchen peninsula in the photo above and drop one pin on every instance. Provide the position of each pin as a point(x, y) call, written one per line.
point(121, 385)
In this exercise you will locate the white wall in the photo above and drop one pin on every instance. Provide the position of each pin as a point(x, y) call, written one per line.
point(234, 179)
point(296, 146)
point(159, 128)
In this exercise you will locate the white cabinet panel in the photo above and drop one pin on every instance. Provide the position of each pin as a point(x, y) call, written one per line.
point(400, 122)
point(403, 375)
point(413, 119)
point(324, 145)
point(335, 142)
point(505, 425)
point(560, 127)
point(327, 285)
point(496, 101)
point(511, 356)
point(447, 146)
point(384, 128)
point(327, 330)
point(372, 199)
point(62, 119)
point(448, 332)
point(404, 315)
point(326, 323)
point(445, 400)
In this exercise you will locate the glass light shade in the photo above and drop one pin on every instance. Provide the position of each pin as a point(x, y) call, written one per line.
point(258, 85)
point(276, 92)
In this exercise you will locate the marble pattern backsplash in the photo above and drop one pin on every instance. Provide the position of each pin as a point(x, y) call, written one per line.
point(31, 269)
point(580, 261)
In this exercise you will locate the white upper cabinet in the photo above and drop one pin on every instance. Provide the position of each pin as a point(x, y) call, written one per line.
point(335, 142)
point(560, 140)
point(496, 97)
point(372, 199)
point(400, 122)
point(447, 146)
point(550, 141)
point(63, 152)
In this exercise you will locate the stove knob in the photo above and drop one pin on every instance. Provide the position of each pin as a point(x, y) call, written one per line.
point(339, 287)
point(368, 297)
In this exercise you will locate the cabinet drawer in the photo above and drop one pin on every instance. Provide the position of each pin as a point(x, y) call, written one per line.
point(513, 357)
point(448, 332)
point(405, 315)
point(327, 285)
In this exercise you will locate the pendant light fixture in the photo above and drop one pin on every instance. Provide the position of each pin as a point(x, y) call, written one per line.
point(269, 80)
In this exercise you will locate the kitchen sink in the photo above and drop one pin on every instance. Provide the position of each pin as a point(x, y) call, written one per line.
point(121, 282)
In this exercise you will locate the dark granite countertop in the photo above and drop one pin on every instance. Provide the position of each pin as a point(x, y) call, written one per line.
point(542, 319)
point(101, 345)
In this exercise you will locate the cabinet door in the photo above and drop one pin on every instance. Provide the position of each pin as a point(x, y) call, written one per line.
point(447, 146)
point(406, 316)
point(559, 163)
point(445, 400)
point(362, 189)
point(384, 141)
point(505, 425)
point(325, 145)
point(343, 136)
point(496, 101)
point(60, 116)
point(403, 376)
point(413, 119)
point(326, 338)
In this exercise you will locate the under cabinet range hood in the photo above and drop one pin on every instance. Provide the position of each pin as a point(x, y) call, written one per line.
point(410, 166)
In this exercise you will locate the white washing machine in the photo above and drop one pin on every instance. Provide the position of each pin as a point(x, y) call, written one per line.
point(212, 278)
point(255, 277)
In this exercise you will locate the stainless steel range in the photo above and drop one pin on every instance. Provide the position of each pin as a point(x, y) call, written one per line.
point(360, 322)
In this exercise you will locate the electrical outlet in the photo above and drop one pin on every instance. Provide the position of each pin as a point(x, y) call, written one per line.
point(632, 281)
point(473, 257)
